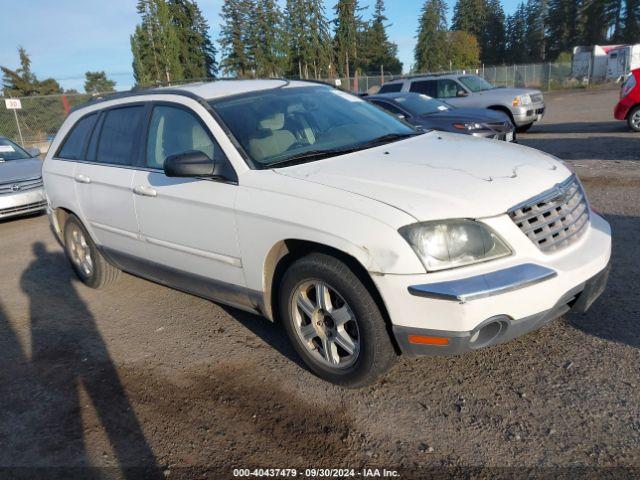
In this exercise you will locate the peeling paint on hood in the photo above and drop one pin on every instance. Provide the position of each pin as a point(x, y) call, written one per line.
point(440, 175)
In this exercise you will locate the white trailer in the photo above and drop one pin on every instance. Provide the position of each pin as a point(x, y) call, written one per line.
point(590, 62)
point(622, 60)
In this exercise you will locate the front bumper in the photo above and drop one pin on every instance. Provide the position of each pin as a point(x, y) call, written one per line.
point(22, 203)
point(529, 114)
point(622, 108)
point(520, 292)
point(498, 329)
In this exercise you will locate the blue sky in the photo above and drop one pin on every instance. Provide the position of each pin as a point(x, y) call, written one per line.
point(65, 38)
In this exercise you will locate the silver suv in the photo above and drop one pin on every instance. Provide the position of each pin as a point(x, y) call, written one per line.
point(525, 106)
point(21, 190)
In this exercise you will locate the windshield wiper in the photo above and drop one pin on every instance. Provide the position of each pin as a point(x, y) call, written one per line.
point(310, 156)
point(391, 137)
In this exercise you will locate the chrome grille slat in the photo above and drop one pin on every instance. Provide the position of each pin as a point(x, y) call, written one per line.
point(25, 185)
point(555, 218)
point(562, 214)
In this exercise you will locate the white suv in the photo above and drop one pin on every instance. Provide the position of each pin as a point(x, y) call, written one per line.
point(364, 237)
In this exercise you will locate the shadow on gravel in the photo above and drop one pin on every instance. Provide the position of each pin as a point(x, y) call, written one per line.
point(581, 127)
point(588, 148)
point(616, 315)
point(69, 365)
point(271, 333)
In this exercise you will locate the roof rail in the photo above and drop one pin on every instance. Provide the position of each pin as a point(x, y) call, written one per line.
point(138, 91)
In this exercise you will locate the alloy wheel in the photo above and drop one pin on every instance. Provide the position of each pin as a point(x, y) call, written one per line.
point(325, 324)
point(79, 251)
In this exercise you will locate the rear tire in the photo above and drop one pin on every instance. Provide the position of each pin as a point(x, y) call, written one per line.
point(88, 263)
point(524, 128)
point(633, 119)
point(333, 322)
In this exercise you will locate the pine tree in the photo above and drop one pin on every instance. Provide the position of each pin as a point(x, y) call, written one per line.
point(155, 44)
point(535, 11)
point(564, 26)
point(196, 51)
point(346, 34)
point(319, 36)
point(494, 36)
point(631, 21)
point(600, 19)
point(377, 51)
point(470, 16)
point(431, 49)
point(233, 37)
point(516, 27)
point(266, 39)
point(22, 82)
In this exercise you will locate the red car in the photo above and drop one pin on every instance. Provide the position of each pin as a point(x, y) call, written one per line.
point(628, 108)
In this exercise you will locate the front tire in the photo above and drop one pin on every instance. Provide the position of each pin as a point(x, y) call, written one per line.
point(88, 263)
point(333, 322)
point(633, 119)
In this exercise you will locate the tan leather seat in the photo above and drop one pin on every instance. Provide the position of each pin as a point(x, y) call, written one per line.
point(273, 140)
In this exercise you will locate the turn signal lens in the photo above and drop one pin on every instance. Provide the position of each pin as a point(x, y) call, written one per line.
point(426, 340)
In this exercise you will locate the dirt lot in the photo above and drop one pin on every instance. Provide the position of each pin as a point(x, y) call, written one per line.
point(148, 381)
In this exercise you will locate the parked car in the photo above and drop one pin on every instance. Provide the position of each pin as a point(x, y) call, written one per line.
point(628, 108)
point(363, 236)
point(430, 114)
point(524, 106)
point(21, 190)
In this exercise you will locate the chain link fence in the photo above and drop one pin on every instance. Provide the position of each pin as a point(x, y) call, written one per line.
point(39, 118)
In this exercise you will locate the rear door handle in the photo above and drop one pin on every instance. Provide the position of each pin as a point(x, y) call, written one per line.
point(82, 178)
point(145, 191)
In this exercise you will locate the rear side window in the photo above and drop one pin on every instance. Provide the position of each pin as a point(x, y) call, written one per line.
point(174, 130)
point(391, 88)
point(389, 107)
point(426, 87)
point(118, 135)
point(73, 146)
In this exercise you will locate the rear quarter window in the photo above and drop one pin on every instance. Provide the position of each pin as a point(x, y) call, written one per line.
point(73, 146)
point(391, 88)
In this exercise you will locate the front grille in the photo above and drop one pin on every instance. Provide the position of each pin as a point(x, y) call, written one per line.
point(556, 218)
point(20, 185)
point(30, 207)
point(536, 97)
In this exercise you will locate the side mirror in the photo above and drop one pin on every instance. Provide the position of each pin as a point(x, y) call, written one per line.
point(462, 93)
point(190, 164)
point(33, 151)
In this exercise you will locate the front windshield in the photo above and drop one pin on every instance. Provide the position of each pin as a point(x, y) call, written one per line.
point(280, 125)
point(417, 104)
point(11, 151)
point(475, 83)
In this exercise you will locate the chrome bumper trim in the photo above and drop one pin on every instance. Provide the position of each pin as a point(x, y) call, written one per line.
point(486, 285)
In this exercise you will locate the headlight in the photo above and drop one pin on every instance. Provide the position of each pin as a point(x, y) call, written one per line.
point(453, 243)
point(522, 100)
point(468, 126)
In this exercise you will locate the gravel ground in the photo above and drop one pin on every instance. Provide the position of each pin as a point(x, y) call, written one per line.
point(145, 381)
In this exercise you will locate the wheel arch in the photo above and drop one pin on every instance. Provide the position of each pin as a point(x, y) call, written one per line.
point(502, 108)
point(285, 252)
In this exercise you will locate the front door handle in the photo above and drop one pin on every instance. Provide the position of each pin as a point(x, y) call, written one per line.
point(145, 191)
point(80, 178)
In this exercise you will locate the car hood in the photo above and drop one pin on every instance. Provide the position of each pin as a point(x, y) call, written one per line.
point(482, 115)
point(508, 92)
point(16, 170)
point(440, 175)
